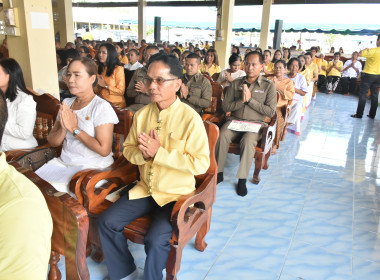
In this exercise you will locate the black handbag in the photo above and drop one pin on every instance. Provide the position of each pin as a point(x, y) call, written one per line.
point(35, 159)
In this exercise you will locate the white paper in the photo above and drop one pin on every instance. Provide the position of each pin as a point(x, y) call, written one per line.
point(57, 174)
point(244, 126)
point(40, 20)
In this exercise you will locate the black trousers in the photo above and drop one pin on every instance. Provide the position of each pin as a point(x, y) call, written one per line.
point(119, 260)
point(368, 81)
point(321, 83)
point(348, 85)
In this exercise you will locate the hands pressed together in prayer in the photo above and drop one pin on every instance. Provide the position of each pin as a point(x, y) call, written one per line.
point(229, 77)
point(141, 87)
point(148, 144)
point(101, 81)
point(184, 90)
point(68, 118)
point(246, 93)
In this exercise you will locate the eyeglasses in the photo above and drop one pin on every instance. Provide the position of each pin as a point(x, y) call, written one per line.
point(160, 81)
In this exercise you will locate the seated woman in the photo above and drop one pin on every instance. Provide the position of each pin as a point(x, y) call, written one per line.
point(111, 81)
point(277, 56)
point(84, 127)
point(228, 75)
point(285, 92)
point(18, 133)
point(119, 47)
point(268, 65)
point(210, 64)
point(334, 73)
point(286, 54)
point(300, 86)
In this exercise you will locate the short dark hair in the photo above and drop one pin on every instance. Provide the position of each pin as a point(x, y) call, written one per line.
point(3, 115)
point(85, 49)
point(90, 65)
point(337, 53)
point(280, 61)
point(237, 48)
point(171, 61)
point(135, 51)
point(313, 49)
point(268, 51)
point(194, 55)
point(177, 51)
point(259, 50)
point(71, 53)
point(261, 57)
point(309, 54)
point(152, 47)
point(294, 59)
point(16, 78)
point(234, 57)
point(112, 59)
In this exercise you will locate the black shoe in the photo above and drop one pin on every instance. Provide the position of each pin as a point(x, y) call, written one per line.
point(220, 178)
point(355, 116)
point(370, 117)
point(241, 187)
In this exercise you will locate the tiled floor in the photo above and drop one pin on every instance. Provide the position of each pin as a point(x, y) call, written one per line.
point(314, 215)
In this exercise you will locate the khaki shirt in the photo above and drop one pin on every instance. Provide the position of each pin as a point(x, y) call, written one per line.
point(140, 98)
point(263, 102)
point(200, 92)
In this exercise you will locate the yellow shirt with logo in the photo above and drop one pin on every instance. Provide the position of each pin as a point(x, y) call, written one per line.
point(372, 63)
point(333, 71)
point(183, 153)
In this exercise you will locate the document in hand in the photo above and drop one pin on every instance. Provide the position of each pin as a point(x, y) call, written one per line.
point(244, 126)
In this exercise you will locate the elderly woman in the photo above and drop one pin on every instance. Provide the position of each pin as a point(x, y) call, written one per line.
point(228, 75)
point(211, 63)
point(18, 133)
point(111, 81)
point(300, 87)
point(84, 127)
point(285, 91)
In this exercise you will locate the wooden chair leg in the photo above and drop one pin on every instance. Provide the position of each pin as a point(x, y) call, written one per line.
point(200, 242)
point(174, 262)
point(93, 236)
point(258, 166)
point(266, 158)
point(54, 272)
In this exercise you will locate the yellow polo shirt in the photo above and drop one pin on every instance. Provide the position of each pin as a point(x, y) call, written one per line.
point(372, 63)
point(269, 67)
point(25, 227)
point(183, 153)
point(333, 71)
point(212, 70)
point(321, 63)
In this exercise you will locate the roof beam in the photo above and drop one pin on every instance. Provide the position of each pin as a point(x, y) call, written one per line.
point(211, 3)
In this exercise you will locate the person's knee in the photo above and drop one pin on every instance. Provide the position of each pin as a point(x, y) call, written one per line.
point(159, 241)
point(105, 222)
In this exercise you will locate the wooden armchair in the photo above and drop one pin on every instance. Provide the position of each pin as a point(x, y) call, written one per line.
point(215, 76)
point(70, 227)
point(128, 74)
point(286, 114)
point(216, 102)
point(191, 214)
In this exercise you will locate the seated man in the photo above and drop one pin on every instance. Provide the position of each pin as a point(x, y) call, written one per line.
point(25, 221)
point(196, 90)
point(137, 88)
point(250, 98)
point(169, 144)
point(351, 71)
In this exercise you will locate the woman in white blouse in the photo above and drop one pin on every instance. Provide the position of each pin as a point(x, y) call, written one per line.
point(84, 127)
point(228, 75)
point(18, 133)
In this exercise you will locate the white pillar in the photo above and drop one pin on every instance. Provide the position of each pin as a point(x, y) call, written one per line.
point(142, 20)
point(265, 24)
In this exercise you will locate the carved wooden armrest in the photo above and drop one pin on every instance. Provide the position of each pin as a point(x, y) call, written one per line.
point(268, 133)
point(190, 207)
point(117, 177)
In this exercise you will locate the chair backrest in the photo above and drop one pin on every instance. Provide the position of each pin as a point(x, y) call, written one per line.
point(207, 75)
point(121, 129)
point(128, 76)
point(215, 76)
point(216, 99)
point(47, 110)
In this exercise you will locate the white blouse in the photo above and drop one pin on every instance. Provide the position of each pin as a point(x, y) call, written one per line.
point(222, 76)
point(18, 133)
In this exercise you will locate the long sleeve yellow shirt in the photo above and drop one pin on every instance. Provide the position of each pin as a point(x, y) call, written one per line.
point(184, 152)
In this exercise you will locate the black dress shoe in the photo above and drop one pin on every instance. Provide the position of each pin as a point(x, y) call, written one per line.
point(219, 178)
point(370, 117)
point(241, 187)
point(355, 116)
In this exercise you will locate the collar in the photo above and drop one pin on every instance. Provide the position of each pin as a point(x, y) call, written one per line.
point(258, 81)
point(195, 77)
point(167, 111)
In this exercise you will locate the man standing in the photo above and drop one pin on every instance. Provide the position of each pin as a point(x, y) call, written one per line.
point(169, 144)
point(351, 71)
point(25, 221)
point(137, 88)
point(370, 79)
point(250, 98)
point(196, 90)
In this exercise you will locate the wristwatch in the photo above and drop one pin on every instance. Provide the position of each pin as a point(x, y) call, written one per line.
point(247, 102)
point(106, 87)
point(76, 131)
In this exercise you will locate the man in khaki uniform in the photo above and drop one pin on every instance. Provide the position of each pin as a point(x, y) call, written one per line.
point(137, 88)
point(196, 90)
point(249, 98)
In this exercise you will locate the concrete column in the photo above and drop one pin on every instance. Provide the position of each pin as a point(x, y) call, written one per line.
point(142, 20)
point(265, 24)
point(65, 22)
point(223, 35)
point(34, 49)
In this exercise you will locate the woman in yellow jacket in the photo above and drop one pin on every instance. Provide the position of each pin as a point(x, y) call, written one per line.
point(120, 51)
point(111, 81)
